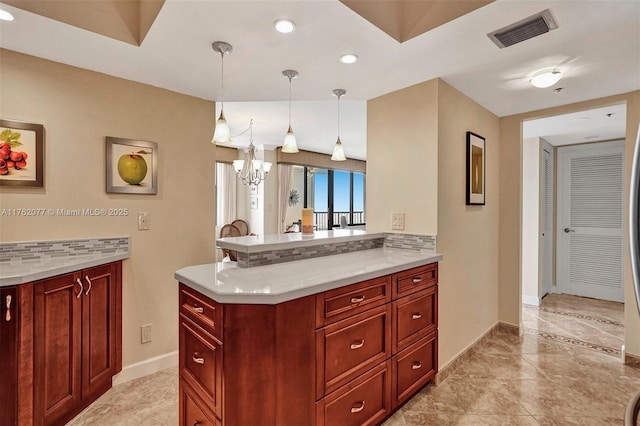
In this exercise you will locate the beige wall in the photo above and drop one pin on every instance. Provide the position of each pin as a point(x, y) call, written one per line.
point(402, 159)
point(510, 202)
point(531, 220)
point(416, 164)
point(78, 108)
point(467, 235)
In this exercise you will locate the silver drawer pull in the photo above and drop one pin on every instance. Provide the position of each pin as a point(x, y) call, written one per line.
point(8, 302)
point(416, 280)
point(197, 422)
point(416, 316)
point(86, 277)
point(198, 309)
point(357, 345)
point(197, 359)
point(81, 288)
point(357, 299)
point(359, 408)
point(416, 365)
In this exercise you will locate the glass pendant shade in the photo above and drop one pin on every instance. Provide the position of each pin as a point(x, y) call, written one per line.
point(338, 151)
point(222, 133)
point(290, 146)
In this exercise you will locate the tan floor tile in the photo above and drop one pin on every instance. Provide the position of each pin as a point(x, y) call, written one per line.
point(487, 396)
point(578, 421)
point(419, 419)
point(496, 366)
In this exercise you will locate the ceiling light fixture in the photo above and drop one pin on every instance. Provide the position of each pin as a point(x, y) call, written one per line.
point(5, 16)
point(222, 133)
point(251, 171)
point(338, 150)
point(348, 58)
point(285, 26)
point(546, 78)
point(290, 146)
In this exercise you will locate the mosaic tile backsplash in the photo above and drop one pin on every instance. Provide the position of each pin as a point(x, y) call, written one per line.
point(20, 252)
point(410, 241)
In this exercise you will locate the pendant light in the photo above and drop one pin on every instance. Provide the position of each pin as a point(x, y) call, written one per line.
point(338, 150)
point(222, 133)
point(251, 171)
point(290, 146)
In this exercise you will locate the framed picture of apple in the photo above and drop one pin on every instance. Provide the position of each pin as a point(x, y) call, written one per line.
point(132, 166)
point(21, 154)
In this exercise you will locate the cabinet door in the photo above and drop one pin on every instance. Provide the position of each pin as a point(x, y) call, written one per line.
point(98, 328)
point(57, 336)
point(8, 356)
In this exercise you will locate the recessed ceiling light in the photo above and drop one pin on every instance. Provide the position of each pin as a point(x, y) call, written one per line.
point(348, 58)
point(546, 78)
point(285, 26)
point(5, 16)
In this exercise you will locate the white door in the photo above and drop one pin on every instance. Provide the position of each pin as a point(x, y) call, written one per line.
point(590, 217)
point(546, 222)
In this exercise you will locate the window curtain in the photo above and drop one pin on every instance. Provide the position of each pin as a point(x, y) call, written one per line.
point(284, 187)
point(226, 183)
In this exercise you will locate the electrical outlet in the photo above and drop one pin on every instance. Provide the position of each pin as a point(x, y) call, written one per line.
point(145, 335)
point(397, 221)
point(143, 221)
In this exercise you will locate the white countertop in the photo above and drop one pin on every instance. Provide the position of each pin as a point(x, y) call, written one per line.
point(259, 243)
point(27, 271)
point(225, 282)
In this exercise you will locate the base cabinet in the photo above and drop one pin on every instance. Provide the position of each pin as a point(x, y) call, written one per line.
point(349, 356)
point(66, 346)
point(9, 355)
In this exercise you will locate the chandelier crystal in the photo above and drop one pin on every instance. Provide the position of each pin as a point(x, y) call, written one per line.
point(250, 170)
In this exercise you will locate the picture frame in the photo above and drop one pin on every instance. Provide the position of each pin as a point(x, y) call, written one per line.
point(476, 170)
point(131, 166)
point(21, 154)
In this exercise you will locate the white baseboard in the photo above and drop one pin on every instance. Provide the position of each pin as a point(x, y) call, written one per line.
point(530, 300)
point(146, 367)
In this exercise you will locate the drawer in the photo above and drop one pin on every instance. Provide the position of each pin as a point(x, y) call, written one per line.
point(191, 412)
point(414, 367)
point(341, 303)
point(414, 317)
point(201, 362)
point(348, 348)
point(416, 279)
point(206, 312)
point(365, 401)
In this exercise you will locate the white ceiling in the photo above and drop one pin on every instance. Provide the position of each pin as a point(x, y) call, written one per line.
point(597, 46)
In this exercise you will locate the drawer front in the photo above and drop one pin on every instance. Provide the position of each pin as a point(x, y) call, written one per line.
point(204, 311)
point(350, 347)
point(201, 362)
point(415, 316)
point(416, 279)
point(365, 401)
point(190, 412)
point(341, 303)
point(414, 367)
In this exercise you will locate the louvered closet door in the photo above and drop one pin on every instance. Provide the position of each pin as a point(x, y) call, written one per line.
point(590, 220)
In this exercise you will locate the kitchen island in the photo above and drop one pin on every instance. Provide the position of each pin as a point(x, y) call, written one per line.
point(337, 339)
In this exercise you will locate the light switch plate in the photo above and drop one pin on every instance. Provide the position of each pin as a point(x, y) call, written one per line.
point(145, 333)
point(397, 221)
point(143, 221)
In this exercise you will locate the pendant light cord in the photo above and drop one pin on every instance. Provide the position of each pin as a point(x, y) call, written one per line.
point(289, 102)
point(222, 83)
point(338, 117)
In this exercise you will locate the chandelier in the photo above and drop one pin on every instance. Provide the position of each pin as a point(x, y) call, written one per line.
point(250, 170)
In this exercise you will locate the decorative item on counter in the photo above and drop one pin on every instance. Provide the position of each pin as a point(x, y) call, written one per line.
point(307, 221)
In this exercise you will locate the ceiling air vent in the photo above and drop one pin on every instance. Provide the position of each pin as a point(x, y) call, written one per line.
point(525, 29)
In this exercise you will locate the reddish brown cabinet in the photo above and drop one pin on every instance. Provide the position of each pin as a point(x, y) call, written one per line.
point(67, 344)
point(9, 355)
point(348, 356)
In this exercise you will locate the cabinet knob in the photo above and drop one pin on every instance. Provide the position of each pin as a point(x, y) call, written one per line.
point(416, 365)
point(416, 280)
point(358, 408)
point(196, 423)
point(416, 316)
point(357, 299)
point(86, 277)
point(357, 345)
point(81, 288)
point(198, 309)
point(8, 304)
point(197, 359)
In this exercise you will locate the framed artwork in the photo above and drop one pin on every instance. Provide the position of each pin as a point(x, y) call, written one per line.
point(132, 166)
point(253, 189)
point(476, 163)
point(21, 154)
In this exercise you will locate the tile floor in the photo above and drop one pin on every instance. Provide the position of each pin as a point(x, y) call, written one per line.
point(563, 371)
